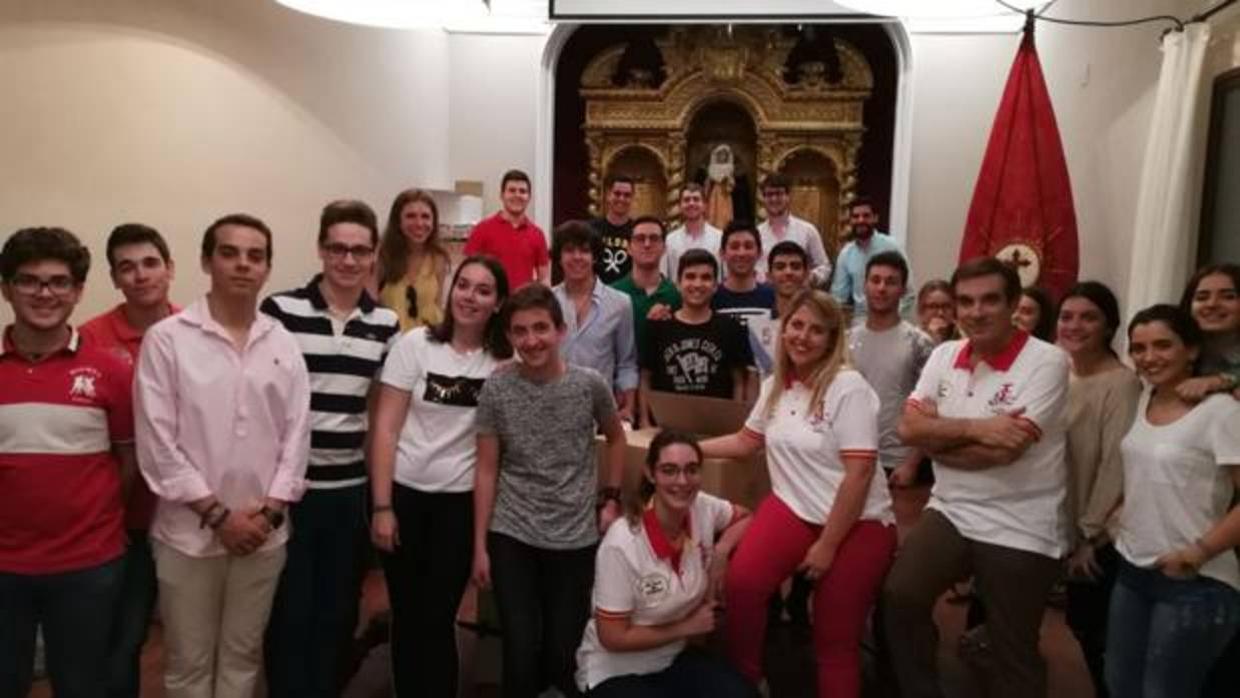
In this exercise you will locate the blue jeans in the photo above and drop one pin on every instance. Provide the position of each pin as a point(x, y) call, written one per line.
point(1164, 634)
point(133, 617)
point(315, 609)
point(75, 610)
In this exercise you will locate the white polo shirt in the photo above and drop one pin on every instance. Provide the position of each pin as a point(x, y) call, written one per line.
point(639, 576)
point(1177, 483)
point(804, 446)
point(679, 241)
point(803, 233)
point(1020, 505)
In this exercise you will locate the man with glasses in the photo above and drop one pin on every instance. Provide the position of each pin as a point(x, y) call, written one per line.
point(647, 285)
point(66, 459)
point(781, 225)
point(344, 336)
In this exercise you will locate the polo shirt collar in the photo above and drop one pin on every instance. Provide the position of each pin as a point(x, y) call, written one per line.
point(8, 346)
point(198, 314)
point(1001, 361)
point(659, 543)
point(525, 220)
point(314, 294)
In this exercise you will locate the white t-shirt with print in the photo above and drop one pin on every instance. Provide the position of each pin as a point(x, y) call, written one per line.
point(1177, 483)
point(804, 446)
point(632, 581)
point(437, 449)
point(1020, 505)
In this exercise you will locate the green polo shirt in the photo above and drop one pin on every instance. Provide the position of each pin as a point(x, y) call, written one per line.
point(664, 293)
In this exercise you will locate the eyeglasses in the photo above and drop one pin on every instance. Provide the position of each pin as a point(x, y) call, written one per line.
point(672, 471)
point(30, 285)
point(337, 251)
point(647, 239)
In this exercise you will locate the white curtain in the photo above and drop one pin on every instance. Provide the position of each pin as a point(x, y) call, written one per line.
point(1164, 243)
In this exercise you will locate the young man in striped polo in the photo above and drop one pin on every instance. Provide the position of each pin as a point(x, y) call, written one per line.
point(344, 336)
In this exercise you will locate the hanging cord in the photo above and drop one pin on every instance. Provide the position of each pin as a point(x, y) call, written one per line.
point(1179, 24)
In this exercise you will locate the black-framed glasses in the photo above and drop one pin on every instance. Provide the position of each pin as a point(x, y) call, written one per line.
point(31, 285)
point(671, 470)
point(336, 250)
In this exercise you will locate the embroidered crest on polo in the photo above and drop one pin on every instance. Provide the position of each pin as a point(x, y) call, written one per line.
point(83, 386)
point(653, 587)
point(1003, 398)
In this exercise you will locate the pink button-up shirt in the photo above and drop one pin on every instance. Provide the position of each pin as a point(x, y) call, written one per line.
point(214, 421)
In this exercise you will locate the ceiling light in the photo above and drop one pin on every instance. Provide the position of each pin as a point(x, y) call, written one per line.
point(398, 14)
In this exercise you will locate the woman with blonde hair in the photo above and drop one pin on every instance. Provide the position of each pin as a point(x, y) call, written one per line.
point(828, 515)
point(413, 265)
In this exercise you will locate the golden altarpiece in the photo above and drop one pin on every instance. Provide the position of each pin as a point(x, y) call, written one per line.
point(733, 87)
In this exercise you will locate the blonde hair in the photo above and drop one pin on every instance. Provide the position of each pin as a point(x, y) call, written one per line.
point(833, 360)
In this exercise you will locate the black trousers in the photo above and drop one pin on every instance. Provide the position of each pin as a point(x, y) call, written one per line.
point(543, 598)
point(1088, 606)
point(426, 576)
point(694, 674)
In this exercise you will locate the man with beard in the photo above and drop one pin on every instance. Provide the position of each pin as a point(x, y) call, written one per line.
point(848, 286)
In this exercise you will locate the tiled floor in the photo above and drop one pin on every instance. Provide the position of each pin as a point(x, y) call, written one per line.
point(791, 671)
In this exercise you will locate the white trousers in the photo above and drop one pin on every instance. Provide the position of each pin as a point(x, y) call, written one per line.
point(214, 612)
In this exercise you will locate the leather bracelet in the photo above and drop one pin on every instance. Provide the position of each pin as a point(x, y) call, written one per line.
point(204, 519)
point(219, 518)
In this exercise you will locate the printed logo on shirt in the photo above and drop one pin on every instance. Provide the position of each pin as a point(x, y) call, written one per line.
point(652, 588)
point(691, 362)
point(1003, 399)
point(457, 391)
point(615, 254)
point(83, 387)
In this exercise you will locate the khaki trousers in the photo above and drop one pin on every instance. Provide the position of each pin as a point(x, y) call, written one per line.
point(214, 611)
point(1013, 584)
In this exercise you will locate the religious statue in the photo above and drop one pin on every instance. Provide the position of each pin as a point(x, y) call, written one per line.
point(720, 183)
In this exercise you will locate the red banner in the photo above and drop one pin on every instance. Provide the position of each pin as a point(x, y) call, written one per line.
point(1022, 208)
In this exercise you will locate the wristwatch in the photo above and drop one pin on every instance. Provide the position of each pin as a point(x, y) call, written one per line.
point(274, 518)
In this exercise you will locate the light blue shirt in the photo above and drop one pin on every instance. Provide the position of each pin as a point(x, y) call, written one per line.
point(848, 286)
point(604, 342)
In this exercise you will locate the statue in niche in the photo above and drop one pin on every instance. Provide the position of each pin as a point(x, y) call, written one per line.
point(727, 189)
point(720, 183)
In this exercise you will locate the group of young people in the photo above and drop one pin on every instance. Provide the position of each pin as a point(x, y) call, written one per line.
point(230, 458)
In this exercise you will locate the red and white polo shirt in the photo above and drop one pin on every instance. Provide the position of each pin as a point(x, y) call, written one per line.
point(1020, 505)
point(640, 576)
point(60, 507)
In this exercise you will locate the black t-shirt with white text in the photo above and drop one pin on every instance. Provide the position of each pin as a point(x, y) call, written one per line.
point(695, 359)
point(615, 263)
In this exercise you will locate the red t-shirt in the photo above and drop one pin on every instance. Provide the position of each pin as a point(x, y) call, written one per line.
point(521, 249)
point(112, 330)
point(60, 507)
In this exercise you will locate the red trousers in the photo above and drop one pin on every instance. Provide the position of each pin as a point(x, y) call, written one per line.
point(773, 547)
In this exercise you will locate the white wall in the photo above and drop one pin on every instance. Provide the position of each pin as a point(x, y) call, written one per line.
point(175, 111)
point(1101, 82)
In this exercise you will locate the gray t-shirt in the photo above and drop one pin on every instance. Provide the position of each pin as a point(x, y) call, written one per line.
point(891, 361)
point(548, 475)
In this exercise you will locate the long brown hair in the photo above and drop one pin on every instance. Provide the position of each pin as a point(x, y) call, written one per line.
point(394, 248)
point(834, 359)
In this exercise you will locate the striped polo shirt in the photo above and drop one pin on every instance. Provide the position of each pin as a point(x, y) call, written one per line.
point(60, 507)
point(342, 359)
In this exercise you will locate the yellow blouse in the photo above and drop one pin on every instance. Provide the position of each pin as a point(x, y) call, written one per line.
point(427, 285)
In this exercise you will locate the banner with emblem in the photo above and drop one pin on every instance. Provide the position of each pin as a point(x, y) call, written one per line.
point(1022, 210)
